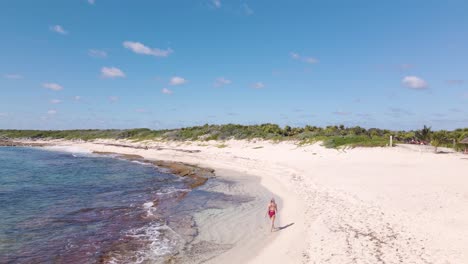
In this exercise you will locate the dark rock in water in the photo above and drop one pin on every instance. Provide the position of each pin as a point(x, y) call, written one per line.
point(12, 143)
point(123, 156)
point(155, 203)
point(198, 174)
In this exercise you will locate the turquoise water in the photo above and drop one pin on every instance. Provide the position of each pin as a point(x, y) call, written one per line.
point(78, 208)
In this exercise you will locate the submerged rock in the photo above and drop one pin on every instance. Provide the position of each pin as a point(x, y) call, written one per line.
point(199, 175)
point(11, 143)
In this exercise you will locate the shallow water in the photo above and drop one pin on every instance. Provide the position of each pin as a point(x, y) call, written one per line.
point(79, 208)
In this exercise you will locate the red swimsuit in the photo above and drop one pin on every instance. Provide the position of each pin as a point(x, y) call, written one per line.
point(271, 213)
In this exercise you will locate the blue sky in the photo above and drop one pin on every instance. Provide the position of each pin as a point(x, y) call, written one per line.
point(165, 64)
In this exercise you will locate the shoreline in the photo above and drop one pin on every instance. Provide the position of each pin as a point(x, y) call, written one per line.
point(200, 176)
point(366, 205)
point(242, 249)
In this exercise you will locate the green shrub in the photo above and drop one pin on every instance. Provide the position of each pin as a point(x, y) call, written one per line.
point(331, 136)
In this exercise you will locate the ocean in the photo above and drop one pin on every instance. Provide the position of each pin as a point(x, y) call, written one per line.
point(64, 207)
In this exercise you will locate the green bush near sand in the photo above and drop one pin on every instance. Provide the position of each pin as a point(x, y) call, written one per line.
point(331, 136)
point(355, 141)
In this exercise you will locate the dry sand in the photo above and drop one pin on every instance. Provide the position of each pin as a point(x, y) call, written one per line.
point(366, 205)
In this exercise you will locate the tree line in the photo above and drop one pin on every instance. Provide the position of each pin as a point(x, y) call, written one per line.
point(331, 136)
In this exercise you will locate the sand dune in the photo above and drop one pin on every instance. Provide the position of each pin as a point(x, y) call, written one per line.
point(366, 205)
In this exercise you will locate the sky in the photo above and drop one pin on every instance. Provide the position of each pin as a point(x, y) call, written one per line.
point(80, 64)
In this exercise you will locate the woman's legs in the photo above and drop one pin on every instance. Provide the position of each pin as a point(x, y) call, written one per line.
point(273, 222)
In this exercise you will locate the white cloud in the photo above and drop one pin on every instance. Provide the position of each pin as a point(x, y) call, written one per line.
point(113, 99)
point(55, 101)
point(112, 72)
point(77, 97)
point(91, 2)
point(58, 29)
point(3, 115)
point(166, 91)
point(176, 80)
point(139, 48)
point(247, 10)
point(258, 85)
point(141, 110)
point(13, 76)
point(296, 56)
point(414, 82)
point(97, 53)
point(221, 81)
point(52, 112)
point(52, 86)
point(216, 3)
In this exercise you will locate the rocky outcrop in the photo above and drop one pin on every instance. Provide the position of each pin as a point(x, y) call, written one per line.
point(198, 174)
point(12, 143)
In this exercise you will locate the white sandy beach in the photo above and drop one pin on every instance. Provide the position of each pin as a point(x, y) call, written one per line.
point(366, 205)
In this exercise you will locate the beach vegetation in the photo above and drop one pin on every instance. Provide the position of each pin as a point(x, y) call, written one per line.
point(333, 136)
point(424, 134)
point(354, 141)
point(438, 138)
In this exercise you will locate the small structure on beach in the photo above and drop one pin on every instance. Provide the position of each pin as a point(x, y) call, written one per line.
point(465, 142)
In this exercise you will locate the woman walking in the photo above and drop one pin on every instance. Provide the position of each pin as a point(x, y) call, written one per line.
point(272, 211)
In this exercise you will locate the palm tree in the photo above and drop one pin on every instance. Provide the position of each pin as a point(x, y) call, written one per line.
point(424, 134)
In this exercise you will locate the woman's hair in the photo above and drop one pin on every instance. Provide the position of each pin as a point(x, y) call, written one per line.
point(272, 200)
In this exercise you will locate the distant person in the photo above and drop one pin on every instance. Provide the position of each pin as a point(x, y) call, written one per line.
point(272, 211)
